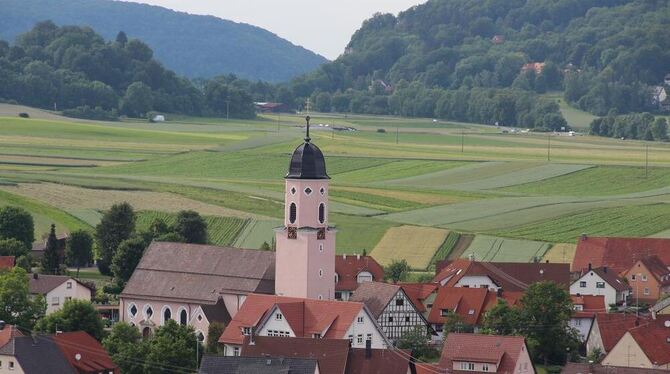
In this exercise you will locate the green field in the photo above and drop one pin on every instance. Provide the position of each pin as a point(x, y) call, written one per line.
point(517, 192)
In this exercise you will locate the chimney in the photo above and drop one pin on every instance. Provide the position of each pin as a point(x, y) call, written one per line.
point(499, 292)
point(605, 269)
point(546, 262)
point(590, 267)
point(471, 257)
point(344, 256)
point(584, 236)
point(358, 256)
point(368, 349)
point(35, 275)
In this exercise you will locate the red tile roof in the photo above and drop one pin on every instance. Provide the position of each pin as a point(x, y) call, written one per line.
point(93, 358)
point(619, 254)
point(382, 361)
point(654, 340)
point(8, 333)
point(657, 269)
point(611, 278)
point(418, 292)
point(507, 275)
point(303, 315)
point(7, 262)
point(468, 303)
point(348, 268)
point(330, 353)
point(429, 369)
point(576, 368)
point(501, 350)
point(591, 305)
point(613, 326)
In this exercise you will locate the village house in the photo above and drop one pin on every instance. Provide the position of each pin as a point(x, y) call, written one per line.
point(618, 254)
point(268, 315)
point(58, 289)
point(508, 276)
point(193, 284)
point(662, 307)
point(649, 279)
point(579, 368)
point(39, 246)
point(659, 98)
point(535, 67)
point(212, 364)
point(585, 309)
point(467, 303)
point(394, 310)
point(601, 281)
point(353, 270)
point(498, 39)
point(334, 356)
point(485, 353)
point(608, 328)
point(63, 353)
point(645, 346)
point(422, 295)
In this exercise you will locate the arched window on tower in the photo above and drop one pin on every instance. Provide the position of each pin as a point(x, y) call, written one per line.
point(293, 212)
point(183, 317)
point(322, 213)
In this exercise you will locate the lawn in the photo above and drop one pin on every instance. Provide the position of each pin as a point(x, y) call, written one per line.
point(415, 244)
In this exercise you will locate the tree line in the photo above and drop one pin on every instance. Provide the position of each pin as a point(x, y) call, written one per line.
point(640, 126)
point(74, 70)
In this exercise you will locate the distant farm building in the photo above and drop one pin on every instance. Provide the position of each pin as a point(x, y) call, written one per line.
point(158, 118)
point(498, 39)
point(537, 67)
point(272, 107)
point(659, 98)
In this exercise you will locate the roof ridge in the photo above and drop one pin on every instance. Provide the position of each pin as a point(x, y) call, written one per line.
point(502, 273)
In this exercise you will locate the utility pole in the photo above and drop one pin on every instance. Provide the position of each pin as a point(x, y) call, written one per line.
point(548, 147)
point(462, 140)
point(278, 120)
point(396, 135)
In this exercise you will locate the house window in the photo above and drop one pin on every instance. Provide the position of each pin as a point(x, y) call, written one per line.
point(368, 337)
point(246, 331)
point(644, 277)
point(582, 284)
point(399, 302)
point(322, 213)
point(485, 367)
point(183, 317)
point(364, 276)
point(359, 319)
point(68, 285)
point(236, 351)
point(320, 297)
point(407, 318)
point(148, 312)
point(293, 212)
point(279, 317)
point(351, 339)
point(632, 277)
point(11, 365)
point(167, 314)
point(55, 300)
point(469, 366)
point(359, 339)
point(390, 318)
point(646, 291)
point(600, 284)
point(316, 336)
point(444, 312)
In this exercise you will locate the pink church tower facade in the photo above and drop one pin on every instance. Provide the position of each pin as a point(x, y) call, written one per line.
point(305, 252)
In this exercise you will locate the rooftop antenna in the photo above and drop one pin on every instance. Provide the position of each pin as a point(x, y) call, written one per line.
point(307, 138)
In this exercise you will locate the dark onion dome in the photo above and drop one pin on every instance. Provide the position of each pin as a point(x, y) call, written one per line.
point(307, 161)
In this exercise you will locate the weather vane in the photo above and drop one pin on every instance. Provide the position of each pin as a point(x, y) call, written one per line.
point(307, 138)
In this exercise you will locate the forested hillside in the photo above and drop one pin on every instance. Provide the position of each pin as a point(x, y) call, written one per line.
point(470, 60)
point(191, 45)
point(78, 72)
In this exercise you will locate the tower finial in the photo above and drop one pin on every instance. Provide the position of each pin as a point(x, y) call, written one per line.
point(307, 138)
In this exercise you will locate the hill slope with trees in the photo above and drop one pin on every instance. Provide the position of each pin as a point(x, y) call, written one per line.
point(191, 45)
point(78, 72)
point(484, 61)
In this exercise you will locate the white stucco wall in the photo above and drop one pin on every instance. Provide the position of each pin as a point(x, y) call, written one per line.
point(591, 280)
point(477, 281)
point(62, 292)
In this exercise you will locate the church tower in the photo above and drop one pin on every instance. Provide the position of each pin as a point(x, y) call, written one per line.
point(305, 254)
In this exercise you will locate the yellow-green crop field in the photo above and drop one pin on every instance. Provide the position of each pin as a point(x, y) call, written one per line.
point(395, 193)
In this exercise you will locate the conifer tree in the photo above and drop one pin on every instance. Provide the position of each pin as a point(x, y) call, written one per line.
point(50, 260)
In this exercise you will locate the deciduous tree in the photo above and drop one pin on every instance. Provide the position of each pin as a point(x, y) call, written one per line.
point(18, 224)
point(17, 306)
point(116, 225)
point(191, 226)
point(76, 315)
point(397, 271)
point(127, 256)
point(79, 249)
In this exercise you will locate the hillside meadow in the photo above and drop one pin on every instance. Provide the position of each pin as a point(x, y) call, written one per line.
point(401, 188)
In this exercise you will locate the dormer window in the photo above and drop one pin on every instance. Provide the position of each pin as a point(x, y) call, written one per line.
point(444, 312)
point(579, 308)
point(246, 331)
point(363, 277)
point(279, 317)
point(471, 312)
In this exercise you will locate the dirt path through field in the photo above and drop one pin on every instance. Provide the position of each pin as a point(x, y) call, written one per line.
point(461, 245)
